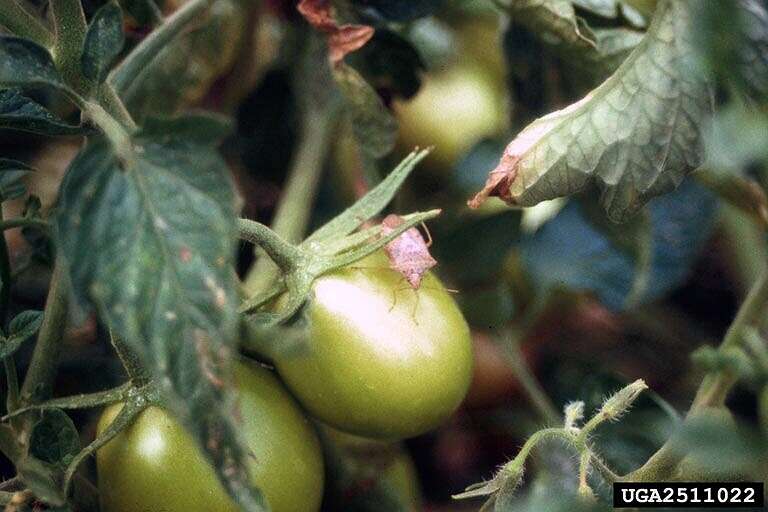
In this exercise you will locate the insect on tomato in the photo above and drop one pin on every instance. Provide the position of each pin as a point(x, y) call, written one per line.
point(408, 253)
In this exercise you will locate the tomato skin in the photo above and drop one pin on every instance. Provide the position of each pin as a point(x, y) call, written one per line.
point(383, 360)
point(154, 465)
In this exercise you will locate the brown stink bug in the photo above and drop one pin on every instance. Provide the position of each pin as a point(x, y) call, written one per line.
point(408, 253)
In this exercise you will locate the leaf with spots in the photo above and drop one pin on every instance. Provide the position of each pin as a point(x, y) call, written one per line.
point(635, 136)
point(149, 238)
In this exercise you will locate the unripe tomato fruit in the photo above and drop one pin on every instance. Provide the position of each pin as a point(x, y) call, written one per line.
point(382, 360)
point(387, 464)
point(155, 465)
point(453, 110)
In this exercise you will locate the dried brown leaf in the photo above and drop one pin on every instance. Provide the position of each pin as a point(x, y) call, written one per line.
point(342, 39)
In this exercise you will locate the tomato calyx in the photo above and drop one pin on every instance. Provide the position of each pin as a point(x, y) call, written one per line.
point(333, 246)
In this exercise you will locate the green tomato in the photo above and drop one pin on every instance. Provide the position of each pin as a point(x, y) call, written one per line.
point(382, 360)
point(154, 465)
point(366, 460)
point(453, 110)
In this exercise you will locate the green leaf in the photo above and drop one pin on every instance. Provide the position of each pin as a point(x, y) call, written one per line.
point(186, 67)
point(370, 204)
point(17, 112)
point(636, 136)
point(555, 21)
point(25, 324)
point(22, 327)
point(731, 43)
point(11, 174)
point(23, 63)
point(398, 10)
point(389, 62)
point(54, 439)
point(150, 241)
point(199, 128)
point(374, 126)
point(103, 42)
point(41, 479)
point(612, 8)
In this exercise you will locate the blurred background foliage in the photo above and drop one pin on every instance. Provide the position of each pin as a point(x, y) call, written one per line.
point(586, 304)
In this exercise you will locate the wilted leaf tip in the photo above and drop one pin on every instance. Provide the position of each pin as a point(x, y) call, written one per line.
point(500, 179)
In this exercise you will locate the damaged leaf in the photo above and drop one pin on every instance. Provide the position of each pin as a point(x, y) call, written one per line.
point(635, 136)
point(342, 39)
point(408, 254)
point(149, 236)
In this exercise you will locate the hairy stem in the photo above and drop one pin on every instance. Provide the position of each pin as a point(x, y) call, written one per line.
point(23, 24)
point(716, 385)
point(42, 368)
point(115, 107)
point(293, 213)
point(536, 394)
point(133, 366)
point(284, 254)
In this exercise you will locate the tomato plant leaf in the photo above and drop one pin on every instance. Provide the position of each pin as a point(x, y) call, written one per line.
point(373, 124)
point(390, 63)
point(54, 438)
point(152, 234)
point(103, 42)
point(398, 10)
point(186, 67)
point(370, 204)
point(22, 327)
point(41, 479)
point(571, 249)
point(17, 112)
point(555, 21)
point(731, 43)
point(11, 174)
point(203, 128)
point(635, 136)
point(609, 8)
point(24, 63)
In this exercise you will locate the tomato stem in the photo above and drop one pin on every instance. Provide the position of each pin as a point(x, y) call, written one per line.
point(716, 385)
point(287, 256)
point(42, 368)
point(292, 216)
